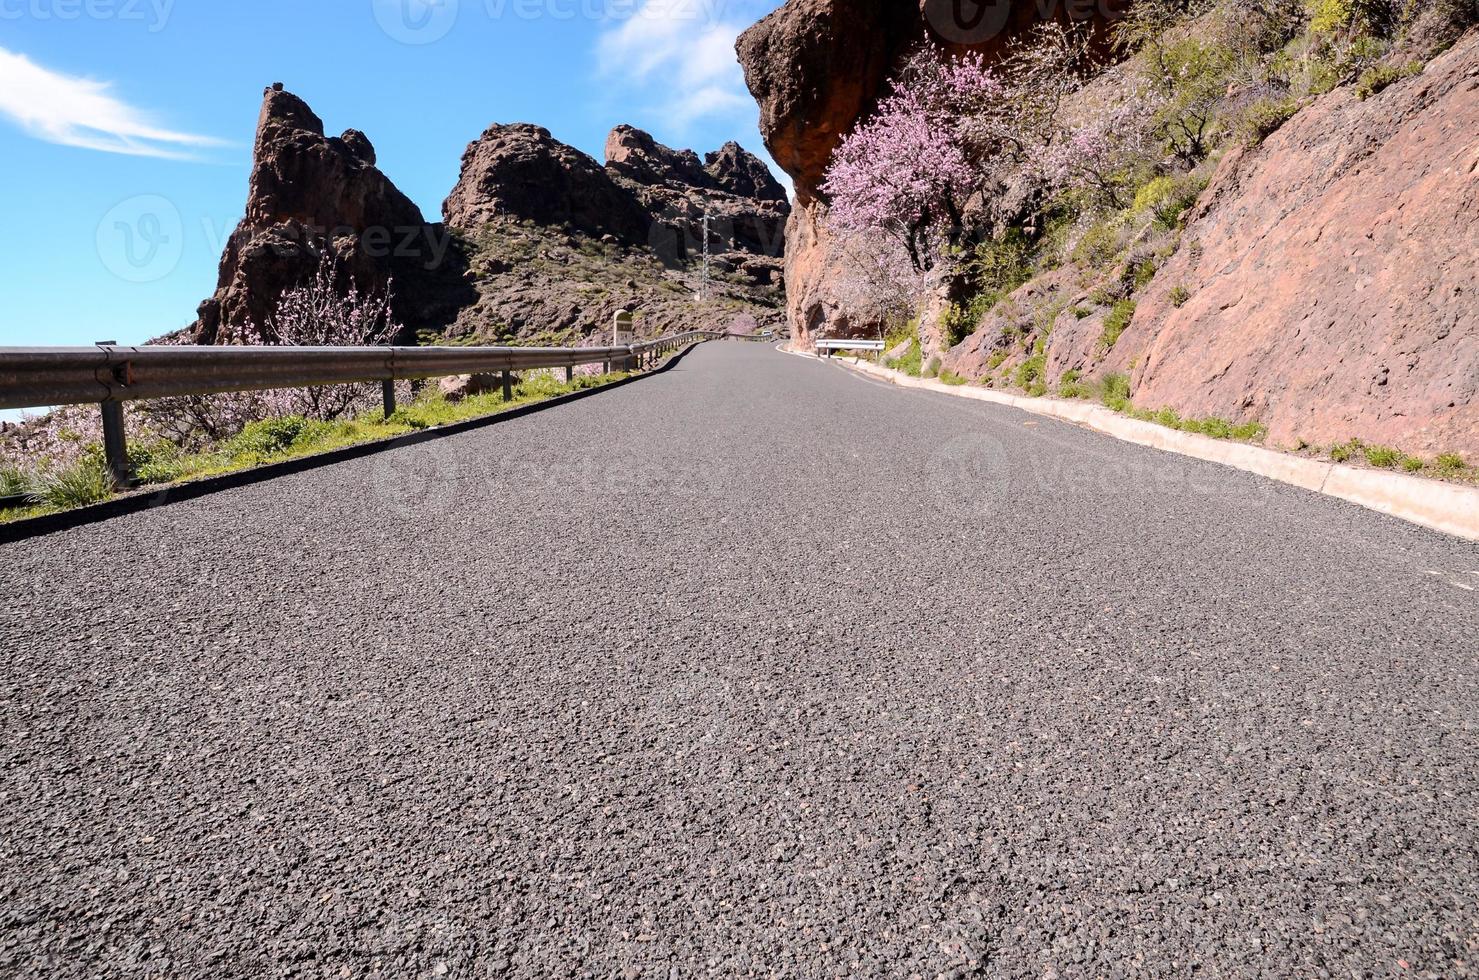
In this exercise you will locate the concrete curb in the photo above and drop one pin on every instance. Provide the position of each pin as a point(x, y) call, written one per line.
point(1444, 507)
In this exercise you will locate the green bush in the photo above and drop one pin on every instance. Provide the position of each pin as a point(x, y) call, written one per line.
point(957, 323)
point(932, 369)
point(1114, 391)
point(1373, 80)
point(909, 362)
point(13, 482)
point(1263, 117)
point(271, 436)
point(1099, 246)
point(1449, 463)
point(1179, 295)
point(949, 377)
point(1069, 386)
point(1002, 264)
point(1412, 464)
point(1343, 451)
point(1115, 323)
point(1030, 374)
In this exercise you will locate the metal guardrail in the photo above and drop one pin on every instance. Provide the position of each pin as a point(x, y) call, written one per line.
point(829, 344)
point(109, 375)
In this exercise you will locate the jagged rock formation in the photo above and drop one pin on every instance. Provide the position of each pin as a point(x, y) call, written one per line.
point(309, 194)
point(562, 242)
point(555, 243)
point(520, 171)
point(818, 66)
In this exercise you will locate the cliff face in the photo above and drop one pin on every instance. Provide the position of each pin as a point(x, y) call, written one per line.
point(1327, 282)
point(816, 67)
point(310, 194)
point(549, 242)
point(1333, 275)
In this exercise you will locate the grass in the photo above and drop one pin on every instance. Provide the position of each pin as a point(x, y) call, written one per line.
point(949, 377)
point(276, 440)
point(1179, 295)
point(1382, 457)
point(1115, 323)
point(85, 482)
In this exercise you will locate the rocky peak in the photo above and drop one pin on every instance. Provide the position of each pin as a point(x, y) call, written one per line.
point(521, 171)
point(359, 144)
point(309, 194)
point(633, 154)
point(738, 171)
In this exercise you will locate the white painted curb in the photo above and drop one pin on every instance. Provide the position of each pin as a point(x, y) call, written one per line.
point(1445, 507)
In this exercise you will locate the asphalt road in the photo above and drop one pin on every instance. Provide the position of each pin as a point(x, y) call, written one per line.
point(756, 667)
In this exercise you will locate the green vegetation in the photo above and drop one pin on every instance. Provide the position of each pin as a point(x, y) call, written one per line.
point(1383, 457)
point(1030, 374)
point(1264, 116)
point(1179, 295)
point(912, 360)
point(13, 482)
point(949, 377)
point(84, 482)
point(1449, 463)
point(1115, 323)
point(269, 441)
point(1373, 80)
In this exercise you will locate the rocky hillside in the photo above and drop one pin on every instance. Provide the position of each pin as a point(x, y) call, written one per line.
point(539, 242)
point(1316, 274)
point(558, 242)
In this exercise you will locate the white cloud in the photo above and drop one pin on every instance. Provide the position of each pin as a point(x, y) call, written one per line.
point(81, 112)
point(683, 49)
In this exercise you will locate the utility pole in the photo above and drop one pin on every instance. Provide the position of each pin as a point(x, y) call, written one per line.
point(703, 289)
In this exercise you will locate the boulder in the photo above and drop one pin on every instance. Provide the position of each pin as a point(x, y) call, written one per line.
point(635, 155)
point(740, 172)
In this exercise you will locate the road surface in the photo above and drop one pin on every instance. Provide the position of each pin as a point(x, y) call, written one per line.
point(756, 667)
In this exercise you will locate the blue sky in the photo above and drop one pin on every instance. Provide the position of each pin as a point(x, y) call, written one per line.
point(126, 125)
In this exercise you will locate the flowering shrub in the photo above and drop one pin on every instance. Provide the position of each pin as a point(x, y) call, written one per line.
point(321, 313)
point(907, 172)
point(57, 453)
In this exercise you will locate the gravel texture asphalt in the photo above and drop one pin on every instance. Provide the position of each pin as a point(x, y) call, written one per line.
point(756, 667)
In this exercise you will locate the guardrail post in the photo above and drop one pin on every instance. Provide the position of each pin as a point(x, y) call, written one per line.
point(508, 386)
point(387, 392)
point(115, 446)
point(569, 373)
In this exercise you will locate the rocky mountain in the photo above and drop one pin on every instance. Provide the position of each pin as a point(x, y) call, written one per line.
point(310, 193)
point(558, 242)
point(539, 240)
